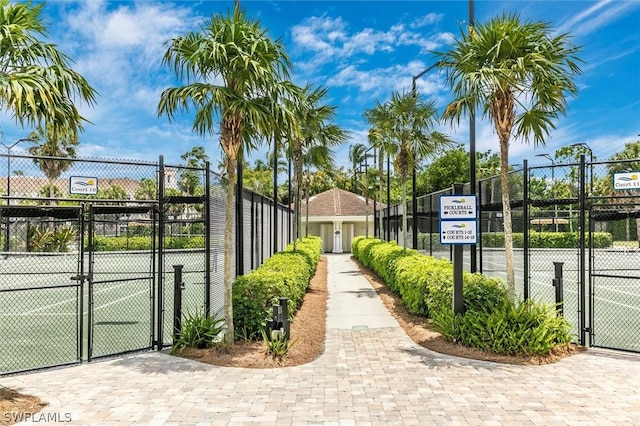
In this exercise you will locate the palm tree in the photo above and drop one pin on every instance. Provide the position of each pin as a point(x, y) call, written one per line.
point(379, 137)
point(411, 126)
point(237, 52)
point(313, 128)
point(57, 142)
point(357, 153)
point(519, 75)
point(189, 179)
point(37, 85)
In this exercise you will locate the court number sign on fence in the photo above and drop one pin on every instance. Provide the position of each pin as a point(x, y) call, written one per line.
point(630, 180)
point(83, 185)
point(458, 219)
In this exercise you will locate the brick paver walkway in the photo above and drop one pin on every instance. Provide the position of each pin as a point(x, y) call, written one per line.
point(367, 375)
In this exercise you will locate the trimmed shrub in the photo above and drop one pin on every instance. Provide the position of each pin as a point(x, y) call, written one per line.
point(144, 243)
point(285, 274)
point(490, 321)
point(547, 239)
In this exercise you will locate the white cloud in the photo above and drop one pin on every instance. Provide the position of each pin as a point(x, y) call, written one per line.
point(601, 14)
point(330, 39)
point(426, 20)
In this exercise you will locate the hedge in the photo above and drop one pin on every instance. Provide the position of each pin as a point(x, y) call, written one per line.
point(547, 239)
point(144, 243)
point(285, 274)
point(490, 321)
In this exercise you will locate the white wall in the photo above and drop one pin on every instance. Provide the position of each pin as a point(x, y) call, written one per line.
point(349, 230)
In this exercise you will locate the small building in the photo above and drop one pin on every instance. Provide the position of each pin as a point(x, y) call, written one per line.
point(337, 216)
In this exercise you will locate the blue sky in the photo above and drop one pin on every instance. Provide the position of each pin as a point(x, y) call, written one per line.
point(361, 50)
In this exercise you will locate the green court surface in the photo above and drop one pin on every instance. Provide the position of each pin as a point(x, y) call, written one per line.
point(615, 284)
point(46, 318)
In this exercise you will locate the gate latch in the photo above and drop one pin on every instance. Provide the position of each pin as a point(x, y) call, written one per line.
point(81, 277)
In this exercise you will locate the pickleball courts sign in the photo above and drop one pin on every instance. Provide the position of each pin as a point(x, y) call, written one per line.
point(458, 219)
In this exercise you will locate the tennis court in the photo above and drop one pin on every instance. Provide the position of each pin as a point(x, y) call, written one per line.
point(48, 317)
point(613, 310)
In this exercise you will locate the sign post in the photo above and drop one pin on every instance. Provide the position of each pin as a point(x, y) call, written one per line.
point(458, 226)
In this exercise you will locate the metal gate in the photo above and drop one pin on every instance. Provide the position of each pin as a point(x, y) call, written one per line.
point(614, 281)
point(41, 308)
point(121, 283)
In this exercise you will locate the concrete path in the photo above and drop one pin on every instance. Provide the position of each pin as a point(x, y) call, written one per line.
point(370, 373)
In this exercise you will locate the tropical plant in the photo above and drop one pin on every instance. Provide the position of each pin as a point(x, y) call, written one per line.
point(357, 153)
point(411, 128)
point(198, 330)
point(276, 343)
point(49, 191)
point(37, 85)
point(314, 128)
point(189, 177)
point(379, 136)
point(519, 75)
point(233, 69)
point(49, 240)
point(52, 141)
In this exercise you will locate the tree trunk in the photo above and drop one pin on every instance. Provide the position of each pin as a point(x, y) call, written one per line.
point(506, 217)
point(380, 177)
point(297, 173)
point(52, 193)
point(404, 213)
point(228, 247)
point(628, 229)
point(306, 195)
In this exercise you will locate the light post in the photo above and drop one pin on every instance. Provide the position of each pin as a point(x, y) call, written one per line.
point(553, 187)
point(472, 146)
point(9, 148)
point(366, 193)
point(588, 148)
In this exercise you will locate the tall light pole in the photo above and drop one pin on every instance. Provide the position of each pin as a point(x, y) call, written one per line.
point(9, 148)
point(588, 148)
point(472, 143)
point(553, 187)
point(366, 192)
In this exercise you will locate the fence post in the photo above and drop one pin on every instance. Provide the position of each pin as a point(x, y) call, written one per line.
point(178, 285)
point(239, 222)
point(207, 239)
point(253, 229)
point(479, 252)
point(458, 250)
point(525, 227)
point(430, 224)
point(558, 284)
point(160, 272)
point(582, 273)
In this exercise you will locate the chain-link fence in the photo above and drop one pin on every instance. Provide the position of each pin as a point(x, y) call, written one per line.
point(579, 222)
point(88, 250)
